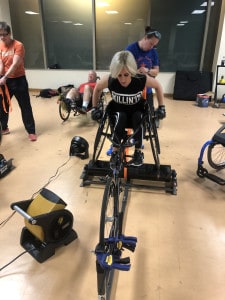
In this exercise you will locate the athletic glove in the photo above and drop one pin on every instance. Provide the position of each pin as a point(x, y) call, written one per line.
point(161, 112)
point(96, 114)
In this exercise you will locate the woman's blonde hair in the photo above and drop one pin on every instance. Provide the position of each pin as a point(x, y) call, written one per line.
point(120, 60)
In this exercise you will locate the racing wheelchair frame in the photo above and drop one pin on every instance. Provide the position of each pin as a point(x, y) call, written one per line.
point(75, 106)
point(152, 176)
point(118, 179)
point(112, 242)
point(215, 155)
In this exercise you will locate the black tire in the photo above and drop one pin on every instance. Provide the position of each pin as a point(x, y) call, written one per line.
point(151, 130)
point(64, 111)
point(109, 219)
point(109, 227)
point(101, 135)
point(216, 156)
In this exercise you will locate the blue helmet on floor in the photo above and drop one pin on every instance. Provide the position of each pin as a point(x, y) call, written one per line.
point(79, 147)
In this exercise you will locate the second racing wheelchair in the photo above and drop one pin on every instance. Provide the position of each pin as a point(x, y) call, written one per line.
point(75, 106)
point(215, 148)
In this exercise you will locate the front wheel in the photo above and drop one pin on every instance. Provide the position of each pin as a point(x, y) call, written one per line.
point(216, 156)
point(64, 111)
point(109, 227)
point(109, 219)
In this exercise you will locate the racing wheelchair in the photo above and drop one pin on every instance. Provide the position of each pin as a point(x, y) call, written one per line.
point(118, 179)
point(215, 148)
point(152, 175)
point(66, 109)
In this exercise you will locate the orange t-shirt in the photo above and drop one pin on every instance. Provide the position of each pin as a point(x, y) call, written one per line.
point(6, 55)
point(81, 87)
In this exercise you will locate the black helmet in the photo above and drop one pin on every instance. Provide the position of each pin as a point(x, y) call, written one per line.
point(79, 147)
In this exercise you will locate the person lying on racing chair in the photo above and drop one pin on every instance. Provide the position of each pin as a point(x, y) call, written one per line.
point(83, 93)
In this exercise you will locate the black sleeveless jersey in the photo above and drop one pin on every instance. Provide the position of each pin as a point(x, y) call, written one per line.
point(130, 97)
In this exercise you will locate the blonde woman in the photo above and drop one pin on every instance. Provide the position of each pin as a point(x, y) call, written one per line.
point(127, 105)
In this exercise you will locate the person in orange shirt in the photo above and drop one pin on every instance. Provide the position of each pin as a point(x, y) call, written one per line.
point(13, 78)
point(83, 94)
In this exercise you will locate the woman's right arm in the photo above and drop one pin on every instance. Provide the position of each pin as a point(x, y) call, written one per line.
point(154, 83)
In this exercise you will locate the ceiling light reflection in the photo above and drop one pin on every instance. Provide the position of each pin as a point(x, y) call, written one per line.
point(205, 4)
point(30, 12)
point(198, 11)
point(111, 12)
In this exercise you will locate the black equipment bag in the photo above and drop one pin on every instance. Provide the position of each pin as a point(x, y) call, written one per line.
point(190, 83)
point(47, 93)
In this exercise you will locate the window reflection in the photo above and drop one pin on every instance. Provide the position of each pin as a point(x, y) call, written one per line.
point(60, 33)
point(183, 33)
point(115, 31)
point(27, 29)
point(68, 33)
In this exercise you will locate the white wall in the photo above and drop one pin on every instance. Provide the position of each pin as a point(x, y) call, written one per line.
point(41, 79)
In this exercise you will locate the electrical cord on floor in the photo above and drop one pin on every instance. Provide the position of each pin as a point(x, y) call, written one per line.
point(52, 177)
point(13, 260)
point(50, 180)
point(7, 219)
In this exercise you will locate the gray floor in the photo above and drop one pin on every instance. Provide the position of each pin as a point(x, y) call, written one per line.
point(180, 252)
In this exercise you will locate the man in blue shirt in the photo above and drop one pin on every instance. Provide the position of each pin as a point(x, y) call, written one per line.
point(146, 55)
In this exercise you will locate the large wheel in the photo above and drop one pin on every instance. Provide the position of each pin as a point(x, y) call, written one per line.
point(109, 219)
point(216, 156)
point(64, 111)
point(101, 135)
point(152, 134)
